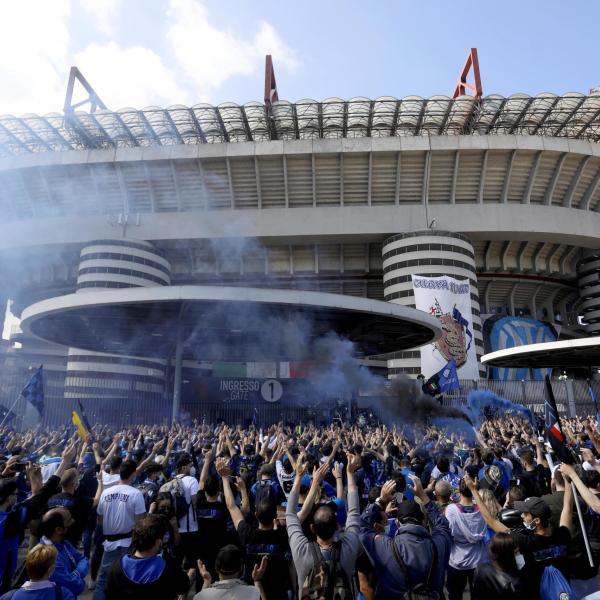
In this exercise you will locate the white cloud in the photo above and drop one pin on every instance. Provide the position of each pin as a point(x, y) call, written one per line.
point(209, 56)
point(34, 65)
point(36, 53)
point(134, 76)
point(103, 13)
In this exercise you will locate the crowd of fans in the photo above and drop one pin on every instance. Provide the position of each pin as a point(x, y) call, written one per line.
point(297, 511)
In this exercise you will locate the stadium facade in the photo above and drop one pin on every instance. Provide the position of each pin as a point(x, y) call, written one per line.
point(347, 197)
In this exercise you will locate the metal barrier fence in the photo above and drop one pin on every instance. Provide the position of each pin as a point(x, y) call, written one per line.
point(129, 407)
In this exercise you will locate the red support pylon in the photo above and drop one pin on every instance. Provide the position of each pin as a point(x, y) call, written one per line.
point(462, 85)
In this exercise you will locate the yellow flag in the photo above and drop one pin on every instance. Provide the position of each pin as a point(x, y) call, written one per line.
point(81, 430)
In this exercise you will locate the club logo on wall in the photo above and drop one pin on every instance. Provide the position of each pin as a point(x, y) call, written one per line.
point(452, 344)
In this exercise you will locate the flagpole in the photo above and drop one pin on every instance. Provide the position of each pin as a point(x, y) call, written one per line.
point(10, 410)
point(579, 514)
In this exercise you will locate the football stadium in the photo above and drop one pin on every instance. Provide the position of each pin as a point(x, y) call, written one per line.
point(160, 259)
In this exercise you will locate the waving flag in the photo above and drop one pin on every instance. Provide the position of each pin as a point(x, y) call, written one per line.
point(33, 392)
point(83, 416)
point(82, 431)
point(553, 429)
point(448, 378)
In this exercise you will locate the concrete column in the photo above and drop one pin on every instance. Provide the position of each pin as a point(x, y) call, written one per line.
point(114, 385)
point(588, 279)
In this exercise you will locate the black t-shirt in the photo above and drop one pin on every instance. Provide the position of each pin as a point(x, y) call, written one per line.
point(212, 527)
point(274, 543)
point(541, 551)
point(80, 508)
point(534, 482)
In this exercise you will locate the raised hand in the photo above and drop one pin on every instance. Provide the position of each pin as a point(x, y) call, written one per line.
point(320, 473)
point(337, 471)
point(354, 462)
point(259, 570)
point(470, 482)
point(223, 468)
point(204, 573)
point(388, 491)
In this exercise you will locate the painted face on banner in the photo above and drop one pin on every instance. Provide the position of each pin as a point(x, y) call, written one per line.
point(452, 344)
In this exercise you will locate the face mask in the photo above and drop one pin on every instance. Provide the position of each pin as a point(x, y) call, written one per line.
point(193, 472)
point(387, 530)
point(530, 525)
point(520, 561)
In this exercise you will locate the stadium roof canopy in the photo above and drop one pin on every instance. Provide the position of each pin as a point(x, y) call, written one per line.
point(580, 353)
point(225, 323)
point(573, 115)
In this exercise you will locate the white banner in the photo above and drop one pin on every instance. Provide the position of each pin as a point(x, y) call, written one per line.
point(449, 300)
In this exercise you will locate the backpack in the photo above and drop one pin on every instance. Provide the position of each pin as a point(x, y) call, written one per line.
point(554, 586)
point(265, 490)
point(420, 591)
point(181, 505)
point(326, 580)
point(148, 489)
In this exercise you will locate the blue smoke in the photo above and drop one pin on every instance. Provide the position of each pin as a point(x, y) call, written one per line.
point(481, 399)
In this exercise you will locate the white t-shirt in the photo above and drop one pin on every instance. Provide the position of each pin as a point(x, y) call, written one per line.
point(109, 480)
point(119, 506)
point(189, 487)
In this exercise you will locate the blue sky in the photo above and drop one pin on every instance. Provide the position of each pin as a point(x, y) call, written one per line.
point(141, 52)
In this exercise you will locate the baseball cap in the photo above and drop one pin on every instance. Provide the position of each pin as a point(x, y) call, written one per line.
point(372, 514)
point(536, 506)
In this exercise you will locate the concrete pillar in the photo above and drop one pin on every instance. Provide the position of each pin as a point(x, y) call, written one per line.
point(588, 279)
point(112, 386)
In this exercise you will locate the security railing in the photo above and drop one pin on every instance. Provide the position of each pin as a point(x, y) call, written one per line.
point(123, 407)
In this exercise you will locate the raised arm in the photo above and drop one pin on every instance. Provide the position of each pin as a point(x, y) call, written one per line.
point(491, 521)
point(314, 492)
point(566, 516)
point(298, 541)
point(339, 481)
point(142, 466)
point(353, 518)
point(208, 456)
point(589, 497)
point(98, 490)
point(223, 470)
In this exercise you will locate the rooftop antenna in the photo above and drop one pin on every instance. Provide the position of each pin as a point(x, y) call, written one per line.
point(271, 94)
point(93, 98)
point(462, 85)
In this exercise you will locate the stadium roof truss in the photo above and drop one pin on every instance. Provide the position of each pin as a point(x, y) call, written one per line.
point(573, 115)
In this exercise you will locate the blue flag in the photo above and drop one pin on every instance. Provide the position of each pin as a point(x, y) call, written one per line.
point(448, 377)
point(33, 392)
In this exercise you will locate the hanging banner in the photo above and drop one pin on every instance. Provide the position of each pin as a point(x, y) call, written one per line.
point(449, 300)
